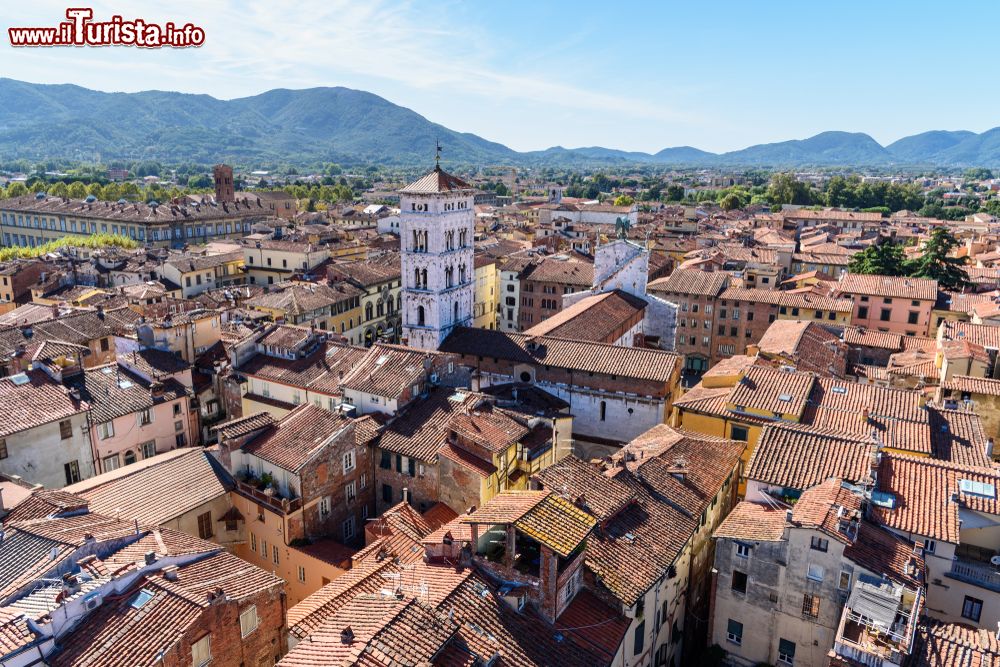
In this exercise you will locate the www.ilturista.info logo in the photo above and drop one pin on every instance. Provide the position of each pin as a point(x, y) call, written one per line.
point(81, 30)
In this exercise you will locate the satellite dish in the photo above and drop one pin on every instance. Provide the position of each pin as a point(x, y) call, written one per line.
point(995, 561)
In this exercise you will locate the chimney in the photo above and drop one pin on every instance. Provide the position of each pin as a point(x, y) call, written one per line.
point(989, 449)
point(406, 495)
point(170, 573)
point(156, 390)
point(788, 515)
point(865, 416)
point(217, 596)
point(100, 312)
point(346, 635)
point(149, 557)
point(71, 585)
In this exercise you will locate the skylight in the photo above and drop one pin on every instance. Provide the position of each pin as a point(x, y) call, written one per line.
point(141, 598)
point(884, 499)
point(787, 398)
point(840, 390)
point(19, 379)
point(971, 487)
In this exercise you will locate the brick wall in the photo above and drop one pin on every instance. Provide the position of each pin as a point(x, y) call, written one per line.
point(324, 477)
point(460, 486)
point(737, 332)
point(264, 646)
point(424, 489)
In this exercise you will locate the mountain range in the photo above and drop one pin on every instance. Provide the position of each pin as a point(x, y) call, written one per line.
point(351, 126)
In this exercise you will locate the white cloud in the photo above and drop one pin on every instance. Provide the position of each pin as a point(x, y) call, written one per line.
point(255, 46)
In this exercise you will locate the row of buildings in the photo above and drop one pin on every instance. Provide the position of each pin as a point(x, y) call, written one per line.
point(674, 449)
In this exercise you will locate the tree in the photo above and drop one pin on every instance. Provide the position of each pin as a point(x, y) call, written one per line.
point(675, 192)
point(77, 190)
point(17, 190)
point(978, 174)
point(936, 263)
point(786, 189)
point(624, 200)
point(730, 202)
point(59, 189)
point(886, 259)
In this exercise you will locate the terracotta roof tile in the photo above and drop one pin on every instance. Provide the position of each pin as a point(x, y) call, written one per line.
point(422, 429)
point(507, 507)
point(158, 489)
point(753, 521)
point(293, 441)
point(598, 494)
point(625, 362)
point(889, 286)
point(436, 181)
point(973, 385)
point(691, 282)
point(594, 318)
point(387, 370)
point(556, 523)
point(923, 490)
point(801, 457)
point(940, 644)
point(33, 399)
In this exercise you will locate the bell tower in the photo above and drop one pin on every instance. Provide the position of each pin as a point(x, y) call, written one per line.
point(436, 226)
point(223, 175)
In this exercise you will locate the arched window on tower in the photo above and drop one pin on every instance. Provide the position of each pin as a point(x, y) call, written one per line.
point(416, 277)
point(455, 319)
point(420, 316)
point(461, 274)
point(423, 278)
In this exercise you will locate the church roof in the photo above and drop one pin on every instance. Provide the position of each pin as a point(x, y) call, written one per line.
point(436, 181)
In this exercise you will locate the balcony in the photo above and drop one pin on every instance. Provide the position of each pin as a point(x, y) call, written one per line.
point(977, 573)
point(871, 632)
point(277, 503)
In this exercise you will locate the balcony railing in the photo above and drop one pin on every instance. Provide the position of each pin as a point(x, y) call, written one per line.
point(976, 573)
point(275, 502)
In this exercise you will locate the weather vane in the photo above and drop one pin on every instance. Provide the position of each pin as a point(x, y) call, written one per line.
point(437, 157)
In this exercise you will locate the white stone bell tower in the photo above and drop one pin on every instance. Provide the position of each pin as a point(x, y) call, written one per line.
point(436, 226)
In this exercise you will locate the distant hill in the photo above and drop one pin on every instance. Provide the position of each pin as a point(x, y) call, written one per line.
point(317, 123)
point(344, 125)
point(683, 155)
point(826, 148)
point(919, 146)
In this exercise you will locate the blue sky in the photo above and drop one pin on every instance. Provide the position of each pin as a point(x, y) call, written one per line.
point(630, 75)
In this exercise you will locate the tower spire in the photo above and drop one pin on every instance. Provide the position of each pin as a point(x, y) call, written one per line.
point(437, 155)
